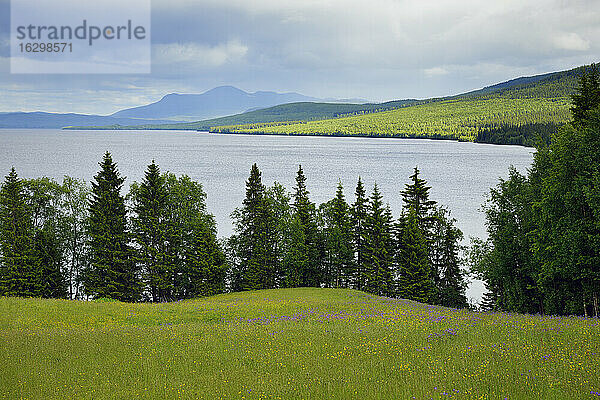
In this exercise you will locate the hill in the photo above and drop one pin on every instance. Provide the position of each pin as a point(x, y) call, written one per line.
point(301, 111)
point(220, 101)
point(519, 111)
point(44, 120)
point(290, 344)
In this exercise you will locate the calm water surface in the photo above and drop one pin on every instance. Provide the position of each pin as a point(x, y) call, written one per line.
point(460, 174)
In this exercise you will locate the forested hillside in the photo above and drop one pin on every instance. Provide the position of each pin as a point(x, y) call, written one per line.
point(522, 111)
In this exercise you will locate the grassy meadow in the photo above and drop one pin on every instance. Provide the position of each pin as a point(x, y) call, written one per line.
point(290, 344)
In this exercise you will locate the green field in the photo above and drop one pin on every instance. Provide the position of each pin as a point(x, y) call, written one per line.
point(290, 344)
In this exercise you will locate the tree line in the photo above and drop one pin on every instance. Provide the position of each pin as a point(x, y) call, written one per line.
point(159, 243)
point(543, 250)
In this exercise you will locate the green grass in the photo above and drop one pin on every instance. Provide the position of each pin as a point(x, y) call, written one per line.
point(290, 344)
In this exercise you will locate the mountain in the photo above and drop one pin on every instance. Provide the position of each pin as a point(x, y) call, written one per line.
point(34, 120)
point(217, 102)
point(304, 111)
point(521, 111)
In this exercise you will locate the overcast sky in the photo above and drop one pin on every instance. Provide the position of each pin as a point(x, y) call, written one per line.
point(377, 50)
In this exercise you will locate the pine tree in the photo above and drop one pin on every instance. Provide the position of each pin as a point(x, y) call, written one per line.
point(255, 238)
point(338, 232)
point(150, 233)
point(112, 272)
point(414, 272)
point(416, 196)
point(359, 220)
point(17, 269)
point(309, 266)
point(378, 254)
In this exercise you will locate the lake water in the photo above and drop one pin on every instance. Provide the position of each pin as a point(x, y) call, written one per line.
point(460, 174)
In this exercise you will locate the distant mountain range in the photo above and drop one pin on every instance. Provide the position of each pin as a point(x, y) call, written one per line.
point(553, 86)
point(44, 120)
point(218, 102)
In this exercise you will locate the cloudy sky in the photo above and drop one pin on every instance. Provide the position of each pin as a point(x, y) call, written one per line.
point(377, 50)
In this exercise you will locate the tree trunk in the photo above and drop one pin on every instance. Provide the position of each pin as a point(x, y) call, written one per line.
point(596, 304)
point(584, 308)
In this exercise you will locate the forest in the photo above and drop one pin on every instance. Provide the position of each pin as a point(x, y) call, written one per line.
point(543, 250)
point(159, 242)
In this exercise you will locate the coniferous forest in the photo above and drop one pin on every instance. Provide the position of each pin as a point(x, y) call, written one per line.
point(159, 242)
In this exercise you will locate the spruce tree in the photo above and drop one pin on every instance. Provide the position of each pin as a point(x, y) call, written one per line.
point(112, 272)
point(414, 275)
point(359, 221)
point(255, 238)
point(416, 196)
point(378, 254)
point(149, 230)
point(309, 266)
point(17, 267)
point(338, 232)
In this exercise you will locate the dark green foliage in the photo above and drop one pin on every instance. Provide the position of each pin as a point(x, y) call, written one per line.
point(48, 257)
point(416, 196)
point(309, 239)
point(44, 197)
point(338, 233)
point(378, 245)
point(149, 229)
point(543, 254)
point(448, 277)
point(587, 97)
point(359, 221)
point(510, 269)
point(414, 276)
point(254, 243)
point(17, 275)
point(73, 231)
point(192, 254)
point(530, 135)
point(112, 271)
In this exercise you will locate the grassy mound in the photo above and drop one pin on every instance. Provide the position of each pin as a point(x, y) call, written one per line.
point(290, 344)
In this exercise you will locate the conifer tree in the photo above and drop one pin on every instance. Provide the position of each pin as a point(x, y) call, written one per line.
point(309, 267)
point(112, 272)
point(359, 221)
point(255, 238)
point(414, 275)
point(17, 268)
point(338, 232)
point(378, 255)
point(149, 231)
point(416, 196)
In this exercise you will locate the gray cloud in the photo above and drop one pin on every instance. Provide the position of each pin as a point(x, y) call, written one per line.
point(381, 49)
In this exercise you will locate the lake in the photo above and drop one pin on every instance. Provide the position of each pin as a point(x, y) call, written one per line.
point(460, 174)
